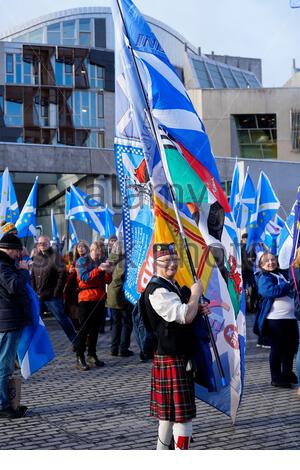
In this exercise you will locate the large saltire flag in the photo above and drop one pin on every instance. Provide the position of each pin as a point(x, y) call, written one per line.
point(35, 349)
point(26, 223)
point(9, 209)
point(247, 203)
point(187, 154)
point(81, 206)
point(266, 206)
point(171, 110)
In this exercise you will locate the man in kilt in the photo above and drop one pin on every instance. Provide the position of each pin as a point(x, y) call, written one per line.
point(170, 315)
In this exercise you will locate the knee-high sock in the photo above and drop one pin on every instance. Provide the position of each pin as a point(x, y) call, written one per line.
point(182, 435)
point(165, 431)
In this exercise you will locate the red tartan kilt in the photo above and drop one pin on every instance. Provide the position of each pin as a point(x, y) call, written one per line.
point(172, 390)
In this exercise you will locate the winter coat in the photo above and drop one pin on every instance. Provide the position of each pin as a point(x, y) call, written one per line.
point(15, 305)
point(115, 292)
point(269, 290)
point(91, 281)
point(48, 275)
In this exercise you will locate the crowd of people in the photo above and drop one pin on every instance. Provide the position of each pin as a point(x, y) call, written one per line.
point(84, 287)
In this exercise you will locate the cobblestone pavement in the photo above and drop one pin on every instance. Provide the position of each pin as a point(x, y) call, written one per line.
point(109, 408)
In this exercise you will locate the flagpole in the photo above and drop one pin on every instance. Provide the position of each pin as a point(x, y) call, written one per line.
point(181, 229)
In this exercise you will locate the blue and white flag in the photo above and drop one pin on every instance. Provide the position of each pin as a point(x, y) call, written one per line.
point(83, 207)
point(285, 241)
point(296, 228)
point(236, 188)
point(295, 3)
point(55, 233)
point(9, 209)
point(271, 235)
point(73, 238)
point(27, 220)
point(247, 203)
point(110, 229)
point(266, 206)
point(35, 349)
point(279, 221)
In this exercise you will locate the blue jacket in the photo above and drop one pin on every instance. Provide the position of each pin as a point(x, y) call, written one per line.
point(15, 304)
point(269, 290)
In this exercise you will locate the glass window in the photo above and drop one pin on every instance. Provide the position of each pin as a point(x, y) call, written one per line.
point(202, 74)
point(239, 76)
point(9, 63)
point(252, 80)
point(100, 77)
point(92, 76)
point(100, 105)
point(68, 74)
point(69, 32)
point(85, 39)
point(93, 110)
point(13, 113)
point(53, 33)
point(27, 71)
point(18, 69)
point(101, 139)
point(36, 35)
point(85, 25)
point(216, 76)
point(229, 78)
point(257, 135)
point(59, 73)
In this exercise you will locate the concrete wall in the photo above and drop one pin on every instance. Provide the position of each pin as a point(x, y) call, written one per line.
point(217, 106)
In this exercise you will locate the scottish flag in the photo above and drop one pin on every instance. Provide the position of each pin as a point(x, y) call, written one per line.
point(55, 233)
point(9, 209)
point(285, 241)
point(27, 220)
point(73, 238)
point(82, 207)
point(169, 103)
point(235, 193)
point(247, 203)
point(110, 229)
point(266, 206)
point(35, 349)
point(279, 221)
point(270, 236)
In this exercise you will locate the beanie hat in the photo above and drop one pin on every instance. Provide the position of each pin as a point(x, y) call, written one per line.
point(11, 242)
point(9, 227)
point(163, 249)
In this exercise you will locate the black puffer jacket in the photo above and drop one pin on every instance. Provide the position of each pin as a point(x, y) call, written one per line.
point(49, 275)
point(15, 306)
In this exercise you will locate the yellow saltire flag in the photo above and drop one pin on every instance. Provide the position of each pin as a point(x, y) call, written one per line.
point(166, 230)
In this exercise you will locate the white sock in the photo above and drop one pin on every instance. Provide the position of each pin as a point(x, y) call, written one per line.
point(182, 435)
point(165, 431)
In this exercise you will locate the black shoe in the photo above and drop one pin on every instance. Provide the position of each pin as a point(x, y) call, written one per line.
point(94, 361)
point(81, 364)
point(293, 379)
point(127, 353)
point(9, 413)
point(114, 353)
point(281, 384)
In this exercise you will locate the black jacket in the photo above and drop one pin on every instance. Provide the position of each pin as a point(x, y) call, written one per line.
point(174, 339)
point(48, 275)
point(15, 305)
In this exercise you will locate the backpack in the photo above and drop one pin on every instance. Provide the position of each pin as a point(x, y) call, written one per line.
point(143, 332)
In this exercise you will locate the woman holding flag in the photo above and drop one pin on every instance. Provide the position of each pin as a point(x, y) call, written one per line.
point(277, 320)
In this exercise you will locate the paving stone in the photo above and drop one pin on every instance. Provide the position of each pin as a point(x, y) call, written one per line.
point(106, 409)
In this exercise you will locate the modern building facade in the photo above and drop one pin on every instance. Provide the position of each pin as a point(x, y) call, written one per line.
point(57, 106)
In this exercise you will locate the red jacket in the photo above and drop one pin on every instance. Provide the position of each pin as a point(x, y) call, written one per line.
point(91, 281)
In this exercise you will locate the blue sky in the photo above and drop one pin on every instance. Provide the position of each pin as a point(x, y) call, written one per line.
point(265, 29)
